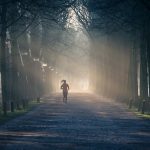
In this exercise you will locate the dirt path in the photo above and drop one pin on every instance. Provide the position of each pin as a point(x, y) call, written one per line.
point(86, 122)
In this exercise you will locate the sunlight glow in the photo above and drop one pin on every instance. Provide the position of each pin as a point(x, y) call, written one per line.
point(84, 85)
point(75, 71)
point(72, 21)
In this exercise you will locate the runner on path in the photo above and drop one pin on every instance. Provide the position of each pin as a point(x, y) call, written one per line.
point(65, 88)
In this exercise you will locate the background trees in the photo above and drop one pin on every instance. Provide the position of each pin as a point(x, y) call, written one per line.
point(127, 23)
point(39, 38)
point(25, 32)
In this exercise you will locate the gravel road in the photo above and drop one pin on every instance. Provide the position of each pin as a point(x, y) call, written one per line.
point(86, 122)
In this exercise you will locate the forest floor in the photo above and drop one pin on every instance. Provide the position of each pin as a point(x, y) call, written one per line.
point(12, 115)
point(86, 122)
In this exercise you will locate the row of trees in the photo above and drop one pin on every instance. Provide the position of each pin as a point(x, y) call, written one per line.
point(26, 62)
point(28, 28)
point(125, 28)
point(130, 20)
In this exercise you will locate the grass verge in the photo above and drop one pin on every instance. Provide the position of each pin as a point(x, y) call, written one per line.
point(139, 114)
point(17, 113)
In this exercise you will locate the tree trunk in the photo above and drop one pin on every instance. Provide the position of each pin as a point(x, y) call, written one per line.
point(143, 68)
point(15, 60)
point(148, 56)
point(3, 58)
point(134, 84)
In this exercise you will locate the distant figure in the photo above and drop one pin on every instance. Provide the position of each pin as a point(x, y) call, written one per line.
point(65, 88)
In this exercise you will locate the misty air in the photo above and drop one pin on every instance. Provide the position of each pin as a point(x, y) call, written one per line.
point(74, 74)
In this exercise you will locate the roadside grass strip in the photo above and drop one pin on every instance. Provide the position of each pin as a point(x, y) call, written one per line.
point(11, 115)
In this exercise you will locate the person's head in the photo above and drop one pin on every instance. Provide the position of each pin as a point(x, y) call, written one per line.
point(63, 81)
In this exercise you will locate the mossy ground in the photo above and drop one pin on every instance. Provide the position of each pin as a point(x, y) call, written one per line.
point(146, 115)
point(17, 113)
